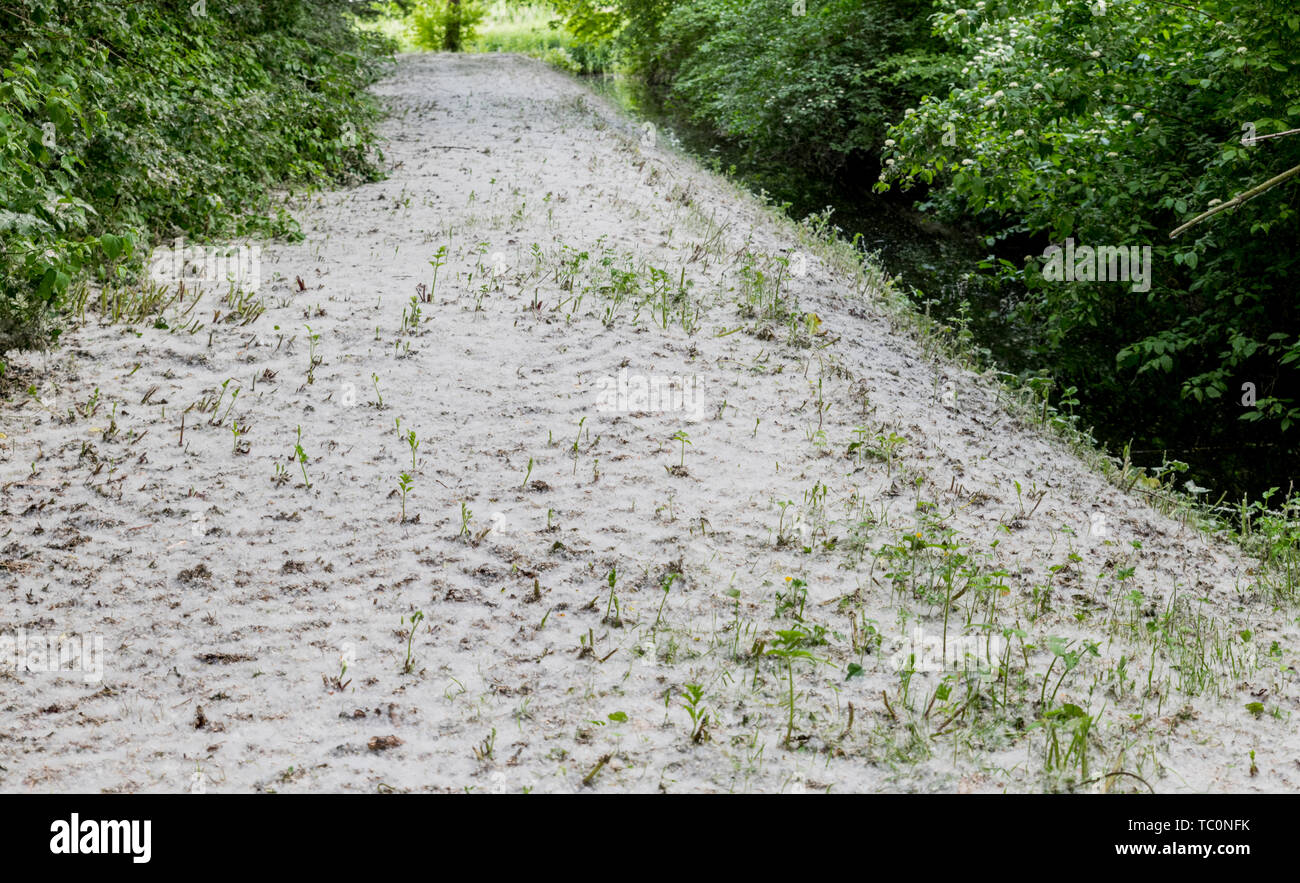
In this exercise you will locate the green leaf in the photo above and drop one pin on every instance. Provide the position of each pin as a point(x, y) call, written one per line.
point(112, 246)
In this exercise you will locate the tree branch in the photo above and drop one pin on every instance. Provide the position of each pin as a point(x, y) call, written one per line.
point(1238, 200)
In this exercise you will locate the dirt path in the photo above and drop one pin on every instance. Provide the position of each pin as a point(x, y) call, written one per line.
point(835, 491)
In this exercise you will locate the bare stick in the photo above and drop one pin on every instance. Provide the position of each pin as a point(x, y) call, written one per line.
point(1238, 200)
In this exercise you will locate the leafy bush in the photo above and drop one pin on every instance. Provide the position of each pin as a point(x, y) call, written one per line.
point(446, 24)
point(815, 90)
point(125, 124)
point(518, 27)
point(1113, 124)
point(811, 87)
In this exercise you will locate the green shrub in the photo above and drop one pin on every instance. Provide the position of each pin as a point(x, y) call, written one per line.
point(518, 27)
point(1113, 124)
point(124, 124)
point(446, 24)
point(814, 90)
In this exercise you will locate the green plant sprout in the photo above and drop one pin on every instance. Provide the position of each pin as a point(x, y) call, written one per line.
point(683, 439)
point(416, 618)
point(612, 612)
point(313, 360)
point(439, 260)
point(667, 584)
point(404, 484)
point(694, 694)
point(301, 457)
point(789, 646)
point(574, 449)
point(414, 445)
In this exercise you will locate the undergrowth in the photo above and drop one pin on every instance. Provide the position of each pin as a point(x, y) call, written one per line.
point(122, 125)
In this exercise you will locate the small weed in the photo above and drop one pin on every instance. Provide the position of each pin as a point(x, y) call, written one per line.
point(416, 618)
point(404, 484)
point(694, 694)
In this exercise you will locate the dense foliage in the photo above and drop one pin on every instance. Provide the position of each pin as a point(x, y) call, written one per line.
point(1113, 124)
point(813, 88)
point(122, 124)
point(446, 24)
point(1107, 123)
